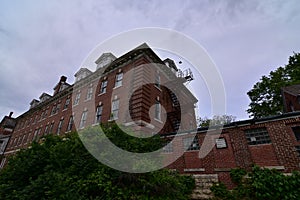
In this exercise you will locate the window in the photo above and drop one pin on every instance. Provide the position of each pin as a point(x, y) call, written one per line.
point(103, 87)
point(298, 150)
point(28, 137)
point(98, 114)
point(296, 131)
point(115, 109)
point(157, 110)
point(119, 78)
point(51, 127)
point(1, 143)
point(55, 109)
point(46, 130)
point(59, 126)
point(83, 119)
point(36, 118)
point(89, 93)
point(257, 136)
point(35, 134)
point(157, 80)
point(70, 124)
point(15, 141)
point(19, 140)
point(67, 103)
point(3, 162)
point(39, 131)
point(191, 143)
point(29, 121)
point(44, 114)
point(23, 139)
point(168, 148)
point(76, 101)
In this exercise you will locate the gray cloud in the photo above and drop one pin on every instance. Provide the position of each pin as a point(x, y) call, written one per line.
point(40, 40)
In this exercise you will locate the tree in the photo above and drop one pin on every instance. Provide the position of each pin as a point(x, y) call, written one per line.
point(216, 120)
point(265, 96)
point(61, 168)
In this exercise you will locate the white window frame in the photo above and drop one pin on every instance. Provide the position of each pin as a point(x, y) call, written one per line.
point(89, 93)
point(3, 162)
point(99, 111)
point(70, 123)
point(51, 127)
point(119, 80)
point(67, 103)
point(59, 127)
point(46, 131)
point(157, 80)
point(77, 98)
point(103, 87)
point(83, 119)
point(115, 106)
point(157, 112)
point(191, 143)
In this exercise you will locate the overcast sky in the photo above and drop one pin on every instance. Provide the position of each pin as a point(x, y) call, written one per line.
point(42, 40)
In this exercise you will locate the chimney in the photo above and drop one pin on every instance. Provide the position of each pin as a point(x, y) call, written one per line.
point(63, 79)
point(10, 114)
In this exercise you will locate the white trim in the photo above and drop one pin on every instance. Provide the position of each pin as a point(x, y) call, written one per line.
point(137, 123)
point(275, 167)
point(12, 151)
point(194, 170)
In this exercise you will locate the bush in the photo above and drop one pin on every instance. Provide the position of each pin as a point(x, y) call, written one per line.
point(260, 184)
point(61, 168)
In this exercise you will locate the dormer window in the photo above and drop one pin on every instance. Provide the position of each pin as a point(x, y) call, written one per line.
point(82, 73)
point(34, 103)
point(44, 97)
point(105, 59)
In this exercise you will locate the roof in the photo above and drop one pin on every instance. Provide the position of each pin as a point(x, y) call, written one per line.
point(292, 89)
point(243, 123)
point(44, 94)
point(105, 55)
point(83, 69)
point(143, 48)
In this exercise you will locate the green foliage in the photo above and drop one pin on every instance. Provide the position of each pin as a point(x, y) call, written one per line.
point(216, 120)
point(220, 192)
point(261, 184)
point(61, 168)
point(237, 175)
point(265, 96)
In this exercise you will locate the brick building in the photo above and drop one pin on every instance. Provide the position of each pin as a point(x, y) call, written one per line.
point(7, 126)
point(291, 98)
point(133, 90)
point(152, 98)
point(272, 142)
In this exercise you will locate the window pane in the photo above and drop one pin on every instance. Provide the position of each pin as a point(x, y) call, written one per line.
point(191, 143)
point(257, 136)
point(296, 131)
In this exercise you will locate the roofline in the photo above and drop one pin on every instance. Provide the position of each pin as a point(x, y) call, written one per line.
point(258, 120)
point(240, 123)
